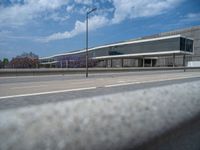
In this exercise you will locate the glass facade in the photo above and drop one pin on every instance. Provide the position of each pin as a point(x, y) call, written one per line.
point(156, 46)
point(186, 45)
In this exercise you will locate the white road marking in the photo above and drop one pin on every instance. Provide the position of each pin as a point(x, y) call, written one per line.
point(105, 86)
point(149, 81)
point(119, 84)
point(121, 81)
point(28, 87)
point(50, 92)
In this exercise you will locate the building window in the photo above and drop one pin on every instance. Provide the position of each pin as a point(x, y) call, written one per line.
point(114, 53)
point(186, 45)
point(182, 44)
point(189, 45)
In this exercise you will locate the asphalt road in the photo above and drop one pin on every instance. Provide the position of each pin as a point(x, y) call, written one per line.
point(35, 90)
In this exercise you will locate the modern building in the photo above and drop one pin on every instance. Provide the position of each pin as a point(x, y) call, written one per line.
point(174, 48)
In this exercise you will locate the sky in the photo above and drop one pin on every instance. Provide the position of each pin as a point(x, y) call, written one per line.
point(48, 27)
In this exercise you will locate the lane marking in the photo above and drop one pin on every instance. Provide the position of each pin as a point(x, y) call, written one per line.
point(121, 81)
point(50, 92)
point(150, 81)
point(90, 88)
point(119, 84)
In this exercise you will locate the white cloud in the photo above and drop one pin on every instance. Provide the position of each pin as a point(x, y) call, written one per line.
point(20, 14)
point(128, 9)
point(81, 11)
point(95, 22)
point(191, 17)
point(56, 17)
point(86, 2)
point(70, 8)
point(23, 11)
point(6, 35)
point(123, 9)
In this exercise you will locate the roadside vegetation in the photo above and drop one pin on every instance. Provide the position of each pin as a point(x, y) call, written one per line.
point(25, 60)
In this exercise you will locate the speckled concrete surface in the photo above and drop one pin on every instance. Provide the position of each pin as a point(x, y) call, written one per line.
point(116, 121)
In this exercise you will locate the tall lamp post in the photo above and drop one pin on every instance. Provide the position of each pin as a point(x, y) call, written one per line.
point(86, 59)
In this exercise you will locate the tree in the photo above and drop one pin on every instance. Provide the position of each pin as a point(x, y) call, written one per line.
point(26, 60)
point(1, 64)
point(5, 62)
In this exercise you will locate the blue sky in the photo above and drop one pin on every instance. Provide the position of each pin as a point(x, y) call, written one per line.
point(48, 27)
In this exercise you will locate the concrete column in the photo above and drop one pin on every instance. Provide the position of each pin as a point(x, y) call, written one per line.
point(111, 63)
point(122, 62)
point(106, 63)
point(151, 63)
point(184, 64)
point(61, 64)
point(143, 62)
point(137, 62)
point(173, 60)
point(165, 61)
point(66, 63)
point(183, 60)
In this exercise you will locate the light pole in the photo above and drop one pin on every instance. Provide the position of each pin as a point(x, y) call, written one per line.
point(86, 58)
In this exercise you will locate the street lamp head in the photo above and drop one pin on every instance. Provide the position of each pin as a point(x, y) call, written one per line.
point(94, 9)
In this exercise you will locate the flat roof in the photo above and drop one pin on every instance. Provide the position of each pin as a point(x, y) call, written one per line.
point(115, 44)
point(47, 63)
point(173, 32)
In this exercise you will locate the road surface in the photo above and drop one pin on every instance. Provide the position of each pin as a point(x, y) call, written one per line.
point(35, 90)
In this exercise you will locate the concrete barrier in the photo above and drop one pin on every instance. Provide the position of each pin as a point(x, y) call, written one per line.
point(53, 71)
point(156, 118)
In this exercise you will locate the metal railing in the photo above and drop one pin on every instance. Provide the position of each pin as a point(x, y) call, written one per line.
point(66, 71)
